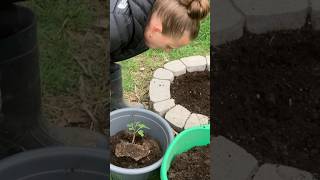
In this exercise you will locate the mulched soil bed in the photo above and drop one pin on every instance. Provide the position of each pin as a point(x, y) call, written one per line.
point(191, 165)
point(266, 96)
point(127, 162)
point(192, 92)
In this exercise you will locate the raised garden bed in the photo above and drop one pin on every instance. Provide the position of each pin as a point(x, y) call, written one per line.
point(180, 92)
point(266, 96)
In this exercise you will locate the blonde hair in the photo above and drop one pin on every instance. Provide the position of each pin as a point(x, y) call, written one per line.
point(179, 16)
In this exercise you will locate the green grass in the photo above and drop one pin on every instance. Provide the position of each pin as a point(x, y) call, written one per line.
point(128, 67)
point(56, 19)
point(153, 59)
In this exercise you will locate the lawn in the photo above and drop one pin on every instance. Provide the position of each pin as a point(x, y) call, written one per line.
point(55, 21)
point(138, 71)
point(72, 60)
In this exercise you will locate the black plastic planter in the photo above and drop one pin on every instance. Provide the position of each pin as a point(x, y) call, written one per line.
point(20, 77)
point(21, 120)
point(57, 163)
point(19, 72)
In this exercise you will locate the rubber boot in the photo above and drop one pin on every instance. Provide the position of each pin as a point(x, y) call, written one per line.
point(20, 89)
point(117, 101)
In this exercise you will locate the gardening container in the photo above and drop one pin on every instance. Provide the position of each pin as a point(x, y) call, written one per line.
point(160, 130)
point(20, 87)
point(63, 163)
point(186, 140)
point(20, 73)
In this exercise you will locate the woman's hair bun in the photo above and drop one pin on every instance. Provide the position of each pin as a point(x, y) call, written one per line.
point(197, 9)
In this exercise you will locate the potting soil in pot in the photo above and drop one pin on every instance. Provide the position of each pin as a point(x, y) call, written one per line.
point(192, 91)
point(191, 165)
point(144, 152)
point(267, 96)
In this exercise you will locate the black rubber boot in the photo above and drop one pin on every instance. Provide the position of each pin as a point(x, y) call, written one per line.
point(117, 101)
point(21, 120)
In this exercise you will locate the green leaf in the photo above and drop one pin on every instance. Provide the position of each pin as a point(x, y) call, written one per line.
point(141, 133)
point(131, 129)
point(141, 126)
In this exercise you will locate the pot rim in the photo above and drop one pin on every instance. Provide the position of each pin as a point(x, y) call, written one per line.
point(153, 166)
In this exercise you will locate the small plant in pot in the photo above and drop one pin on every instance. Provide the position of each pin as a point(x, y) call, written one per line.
point(133, 148)
point(138, 140)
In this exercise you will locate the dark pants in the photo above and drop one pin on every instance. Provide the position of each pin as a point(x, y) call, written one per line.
point(114, 67)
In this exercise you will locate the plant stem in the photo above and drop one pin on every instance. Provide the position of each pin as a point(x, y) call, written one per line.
point(134, 137)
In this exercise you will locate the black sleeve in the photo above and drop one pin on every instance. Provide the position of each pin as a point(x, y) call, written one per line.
point(120, 31)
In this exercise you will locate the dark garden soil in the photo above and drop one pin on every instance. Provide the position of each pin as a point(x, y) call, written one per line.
point(146, 142)
point(266, 96)
point(192, 91)
point(191, 165)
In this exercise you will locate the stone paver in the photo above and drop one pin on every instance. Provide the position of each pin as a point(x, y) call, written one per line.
point(176, 67)
point(276, 172)
point(196, 120)
point(159, 90)
point(177, 117)
point(164, 106)
point(195, 63)
point(163, 74)
point(208, 62)
point(230, 161)
point(315, 14)
point(228, 23)
point(270, 15)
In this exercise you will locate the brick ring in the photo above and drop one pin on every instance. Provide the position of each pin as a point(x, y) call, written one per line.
point(176, 115)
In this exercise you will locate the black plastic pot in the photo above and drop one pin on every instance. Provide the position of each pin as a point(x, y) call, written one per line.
point(57, 163)
point(21, 120)
point(19, 68)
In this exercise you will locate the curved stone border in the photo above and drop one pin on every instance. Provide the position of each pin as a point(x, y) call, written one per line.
point(231, 17)
point(231, 162)
point(159, 91)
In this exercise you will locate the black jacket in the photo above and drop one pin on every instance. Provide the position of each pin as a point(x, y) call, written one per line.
point(128, 19)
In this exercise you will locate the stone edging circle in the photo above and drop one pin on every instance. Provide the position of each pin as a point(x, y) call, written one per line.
point(176, 115)
point(231, 17)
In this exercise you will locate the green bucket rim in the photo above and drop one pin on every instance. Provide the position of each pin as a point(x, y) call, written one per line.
point(164, 168)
